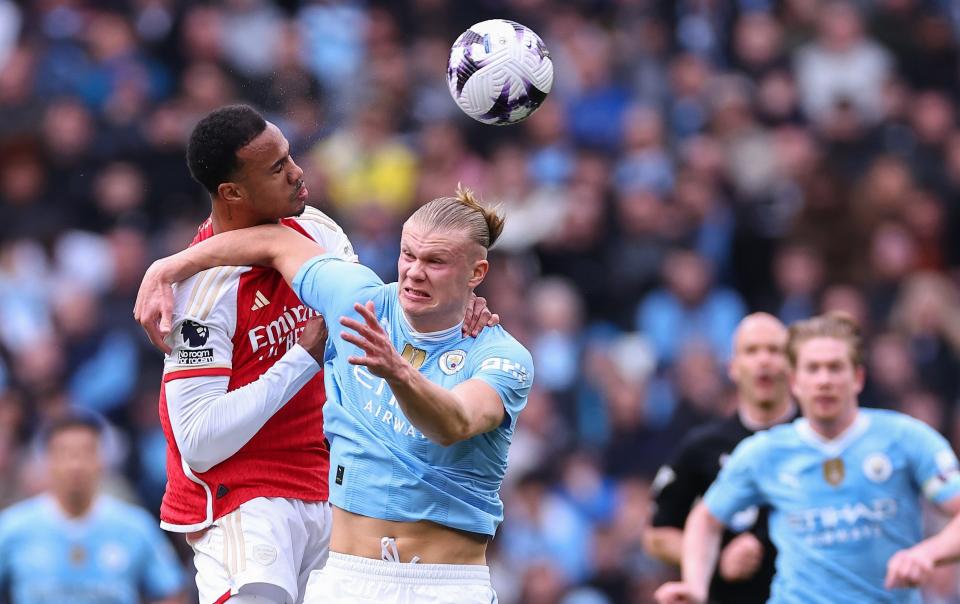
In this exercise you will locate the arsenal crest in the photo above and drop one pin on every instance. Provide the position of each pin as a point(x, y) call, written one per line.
point(833, 471)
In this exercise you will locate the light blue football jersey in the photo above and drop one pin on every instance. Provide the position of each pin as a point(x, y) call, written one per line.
point(841, 508)
point(381, 465)
point(112, 556)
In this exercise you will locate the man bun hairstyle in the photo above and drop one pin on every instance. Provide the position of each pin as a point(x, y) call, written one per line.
point(215, 140)
point(462, 213)
point(835, 324)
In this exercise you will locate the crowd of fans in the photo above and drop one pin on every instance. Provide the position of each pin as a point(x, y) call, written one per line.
point(695, 161)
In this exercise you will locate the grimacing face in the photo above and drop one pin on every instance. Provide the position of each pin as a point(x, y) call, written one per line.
point(437, 272)
point(759, 363)
point(825, 381)
point(269, 178)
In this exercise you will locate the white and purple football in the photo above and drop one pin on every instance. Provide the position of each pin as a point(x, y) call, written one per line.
point(499, 72)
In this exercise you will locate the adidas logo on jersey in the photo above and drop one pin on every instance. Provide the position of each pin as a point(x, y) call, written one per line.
point(259, 301)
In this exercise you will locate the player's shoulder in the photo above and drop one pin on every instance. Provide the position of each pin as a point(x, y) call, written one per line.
point(196, 296)
point(311, 216)
point(722, 430)
point(324, 230)
point(125, 514)
point(894, 424)
point(782, 437)
point(498, 339)
point(25, 514)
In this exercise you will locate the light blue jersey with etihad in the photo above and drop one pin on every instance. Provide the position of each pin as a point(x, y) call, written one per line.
point(381, 465)
point(841, 508)
point(112, 556)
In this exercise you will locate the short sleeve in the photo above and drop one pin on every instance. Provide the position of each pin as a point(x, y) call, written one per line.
point(331, 286)
point(162, 575)
point(507, 368)
point(675, 489)
point(932, 461)
point(322, 229)
point(204, 322)
point(736, 487)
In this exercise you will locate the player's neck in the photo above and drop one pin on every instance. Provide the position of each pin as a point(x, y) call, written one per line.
point(430, 324)
point(74, 506)
point(760, 417)
point(226, 218)
point(830, 430)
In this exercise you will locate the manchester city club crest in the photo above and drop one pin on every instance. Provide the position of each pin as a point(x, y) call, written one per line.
point(833, 471)
point(452, 361)
point(877, 467)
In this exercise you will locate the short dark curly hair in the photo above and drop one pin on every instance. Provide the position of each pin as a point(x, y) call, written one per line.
point(214, 142)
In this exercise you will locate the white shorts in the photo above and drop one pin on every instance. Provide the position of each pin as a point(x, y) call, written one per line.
point(267, 546)
point(354, 580)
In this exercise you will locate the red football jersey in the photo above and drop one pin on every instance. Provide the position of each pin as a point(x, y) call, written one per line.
point(237, 322)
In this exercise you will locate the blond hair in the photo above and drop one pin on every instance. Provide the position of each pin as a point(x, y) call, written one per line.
point(462, 214)
point(835, 324)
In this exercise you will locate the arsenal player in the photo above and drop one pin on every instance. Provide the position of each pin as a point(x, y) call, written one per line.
point(242, 393)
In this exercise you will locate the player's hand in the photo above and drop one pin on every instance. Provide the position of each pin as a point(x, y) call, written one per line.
point(381, 358)
point(154, 306)
point(314, 337)
point(909, 568)
point(478, 316)
point(741, 558)
point(677, 592)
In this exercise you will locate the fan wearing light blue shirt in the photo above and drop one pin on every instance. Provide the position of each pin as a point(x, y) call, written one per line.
point(844, 485)
point(72, 545)
point(419, 417)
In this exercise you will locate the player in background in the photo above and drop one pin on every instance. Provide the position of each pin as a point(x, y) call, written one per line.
point(843, 484)
point(419, 417)
point(758, 368)
point(73, 544)
point(242, 395)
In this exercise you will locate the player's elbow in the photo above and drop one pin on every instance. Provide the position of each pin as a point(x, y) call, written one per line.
point(657, 542)
point(449, 435)
point(197, 462)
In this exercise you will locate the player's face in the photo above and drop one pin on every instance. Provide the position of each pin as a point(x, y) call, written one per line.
point(74, 463)
point(271, 181)
point(759, 363)
point(825, 381)
point(437, 272)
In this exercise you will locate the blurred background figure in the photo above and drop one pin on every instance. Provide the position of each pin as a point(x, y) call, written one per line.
point(74, 543)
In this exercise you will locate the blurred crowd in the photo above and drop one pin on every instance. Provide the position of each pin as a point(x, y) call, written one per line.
point(695, 161)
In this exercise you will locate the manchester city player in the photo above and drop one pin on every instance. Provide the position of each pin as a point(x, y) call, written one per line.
point(419, 417)
point(843, 484)
point(75, 544)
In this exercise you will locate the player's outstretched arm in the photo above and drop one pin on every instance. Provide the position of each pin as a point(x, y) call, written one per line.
point(444, 416)
point(701, 546)
point(270, 245)
point(913, 566)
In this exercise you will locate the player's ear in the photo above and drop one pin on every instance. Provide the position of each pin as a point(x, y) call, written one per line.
point(859, 377)
point(480, 268)
point(230, 192)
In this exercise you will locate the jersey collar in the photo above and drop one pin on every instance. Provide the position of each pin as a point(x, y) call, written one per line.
point(835, 446)
point(430, 336)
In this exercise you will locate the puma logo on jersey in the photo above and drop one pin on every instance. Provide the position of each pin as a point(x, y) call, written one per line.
point(259, 301)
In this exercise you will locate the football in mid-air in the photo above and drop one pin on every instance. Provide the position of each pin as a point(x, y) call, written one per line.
point(499, 72)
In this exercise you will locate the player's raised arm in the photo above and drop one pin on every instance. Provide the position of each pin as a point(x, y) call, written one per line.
point(271, 245)
point(444, 416)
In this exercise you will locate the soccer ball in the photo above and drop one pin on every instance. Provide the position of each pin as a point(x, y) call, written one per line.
point(499, 72)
